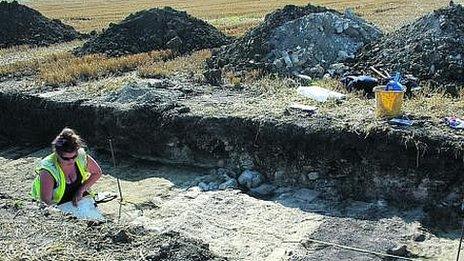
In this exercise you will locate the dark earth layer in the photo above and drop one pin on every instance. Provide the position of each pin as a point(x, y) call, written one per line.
point(155, 29)
point(21, 25)
point(430, 48)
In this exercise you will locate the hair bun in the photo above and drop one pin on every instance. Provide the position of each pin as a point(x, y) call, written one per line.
point(67, 141)
point(67, 133)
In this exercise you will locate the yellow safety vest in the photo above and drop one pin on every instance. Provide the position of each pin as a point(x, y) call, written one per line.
point(50, 164)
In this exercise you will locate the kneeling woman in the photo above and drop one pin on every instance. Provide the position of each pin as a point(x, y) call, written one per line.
point(67, 173)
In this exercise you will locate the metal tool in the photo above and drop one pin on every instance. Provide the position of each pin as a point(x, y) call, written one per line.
point(462, 234)
point(117, 179)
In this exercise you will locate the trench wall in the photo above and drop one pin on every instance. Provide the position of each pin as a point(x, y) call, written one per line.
point(338, 162)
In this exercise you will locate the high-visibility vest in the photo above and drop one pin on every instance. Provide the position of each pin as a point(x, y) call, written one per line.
point(52, 166)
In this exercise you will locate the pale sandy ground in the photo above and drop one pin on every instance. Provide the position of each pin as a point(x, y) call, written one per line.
point(234, 224)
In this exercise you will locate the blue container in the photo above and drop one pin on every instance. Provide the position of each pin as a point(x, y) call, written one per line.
point(395, 85)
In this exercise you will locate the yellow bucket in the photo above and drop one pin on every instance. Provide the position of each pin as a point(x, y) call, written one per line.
point(388, 103)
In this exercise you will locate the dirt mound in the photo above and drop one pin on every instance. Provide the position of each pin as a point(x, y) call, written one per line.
point(155, 29)
point(431, 48)
point(305, 39)
point(20, 25)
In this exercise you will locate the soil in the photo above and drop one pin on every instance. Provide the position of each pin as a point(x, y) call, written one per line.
point(430, 48)
point(164, 216)
point(196, 125)
point(155, 29)
point(21, 25)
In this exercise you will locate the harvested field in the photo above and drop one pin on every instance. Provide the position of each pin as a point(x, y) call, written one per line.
point(234, 17)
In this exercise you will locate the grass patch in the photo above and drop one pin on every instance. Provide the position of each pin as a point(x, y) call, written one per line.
point(236, 25)
point(105, 85)
point(24, 53)
point(63, 68)
point(191, 65)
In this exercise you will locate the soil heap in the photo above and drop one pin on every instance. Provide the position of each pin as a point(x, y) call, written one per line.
point(155, 29)
point(431, 49)
point(21, 25)
point(305, 39)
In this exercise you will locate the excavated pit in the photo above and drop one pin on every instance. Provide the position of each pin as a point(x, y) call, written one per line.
point(398, 166)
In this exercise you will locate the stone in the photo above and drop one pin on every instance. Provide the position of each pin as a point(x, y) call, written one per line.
point(213, 186)
point(338, 69)
point(278, 63)
point(342, 55)
point(306, 195)
point(250, 179)
point(282, 190)
point(229, 184)
point(213, 77)
point(264, 190)
point(279, 175)
point(317, 38)
point(400, 250)
point(419, 237)
point(226, 173)
point(316, 71)
point(203, 186)
point(121, 237)
point(313, 176)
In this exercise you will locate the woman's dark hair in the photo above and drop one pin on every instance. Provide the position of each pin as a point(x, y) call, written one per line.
point(67, 141)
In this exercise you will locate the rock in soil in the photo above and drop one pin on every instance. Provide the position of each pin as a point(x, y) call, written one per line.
point(305, 39)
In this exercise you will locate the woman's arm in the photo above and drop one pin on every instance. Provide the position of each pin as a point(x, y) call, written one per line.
point(95, 174)
point(46, 187)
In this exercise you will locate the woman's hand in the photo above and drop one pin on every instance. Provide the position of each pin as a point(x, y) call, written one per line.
point(78, 196)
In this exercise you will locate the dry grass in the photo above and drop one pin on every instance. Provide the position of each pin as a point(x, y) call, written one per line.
point(24, 53)
point(236, 25)
point(63, 68)
point(103, 86)
point(273, 95)
point(191, 65)
point(95, 14)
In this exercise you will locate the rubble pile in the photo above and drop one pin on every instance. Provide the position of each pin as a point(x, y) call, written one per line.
point(310, 40)
point(431, 49)
point(21, 25)
point(155, 29)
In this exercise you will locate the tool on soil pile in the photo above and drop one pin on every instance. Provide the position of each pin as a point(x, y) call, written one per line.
point(119, 183)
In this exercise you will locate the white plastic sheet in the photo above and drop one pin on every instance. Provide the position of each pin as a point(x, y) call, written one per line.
point(85, 209)
point(320, 94)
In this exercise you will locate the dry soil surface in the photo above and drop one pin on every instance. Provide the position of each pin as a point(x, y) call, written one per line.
point(164, 213)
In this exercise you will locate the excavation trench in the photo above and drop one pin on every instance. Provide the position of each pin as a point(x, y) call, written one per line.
point(406, 170)
point(383, 191)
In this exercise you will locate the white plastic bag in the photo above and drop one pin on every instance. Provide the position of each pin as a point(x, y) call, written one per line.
point(320, 94)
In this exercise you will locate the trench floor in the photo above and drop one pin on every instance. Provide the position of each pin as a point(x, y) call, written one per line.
point(235, 225)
